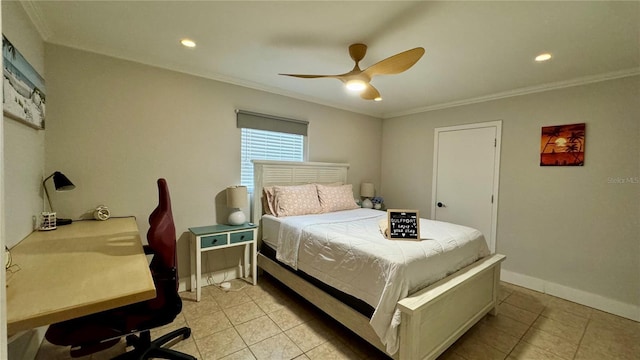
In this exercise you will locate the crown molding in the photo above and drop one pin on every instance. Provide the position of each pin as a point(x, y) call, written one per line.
point(522, 91)
point(35, 14)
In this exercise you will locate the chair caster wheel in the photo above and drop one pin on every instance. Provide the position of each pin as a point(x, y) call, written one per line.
point(131, 340)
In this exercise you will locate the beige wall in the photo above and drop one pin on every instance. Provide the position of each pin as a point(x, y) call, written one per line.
point(115, 126)
point(22, 173)
point(569, 231)
point(23, 145)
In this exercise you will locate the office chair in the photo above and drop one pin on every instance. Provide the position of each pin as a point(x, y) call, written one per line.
point(100, 331)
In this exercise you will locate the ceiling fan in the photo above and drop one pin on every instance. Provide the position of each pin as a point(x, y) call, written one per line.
point(359, 80)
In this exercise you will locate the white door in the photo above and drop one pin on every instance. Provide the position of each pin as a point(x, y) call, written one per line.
point(465, 176)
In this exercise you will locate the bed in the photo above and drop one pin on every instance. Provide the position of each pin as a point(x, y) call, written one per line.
point(417, 319)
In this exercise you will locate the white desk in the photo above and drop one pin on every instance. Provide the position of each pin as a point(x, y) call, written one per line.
point(76, 270)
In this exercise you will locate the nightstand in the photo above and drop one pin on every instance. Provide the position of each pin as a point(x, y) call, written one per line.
point(216, 237)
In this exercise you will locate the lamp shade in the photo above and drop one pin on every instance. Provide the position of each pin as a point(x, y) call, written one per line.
point(237, 197)
point(367, 190)
point(61, 182)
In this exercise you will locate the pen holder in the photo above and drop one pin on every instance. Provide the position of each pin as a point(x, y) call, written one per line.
point(47, 221)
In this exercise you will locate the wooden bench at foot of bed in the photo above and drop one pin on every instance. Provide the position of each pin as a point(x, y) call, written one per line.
point(432, 319)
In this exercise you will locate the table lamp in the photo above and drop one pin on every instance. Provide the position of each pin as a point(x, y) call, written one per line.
point(61, 183)
point(367, 192)
point(237, 199)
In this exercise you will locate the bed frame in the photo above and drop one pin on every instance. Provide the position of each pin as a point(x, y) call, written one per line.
point(432, 319)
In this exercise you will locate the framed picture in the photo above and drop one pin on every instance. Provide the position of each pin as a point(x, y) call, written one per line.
point(24, 91)
point(562, 145)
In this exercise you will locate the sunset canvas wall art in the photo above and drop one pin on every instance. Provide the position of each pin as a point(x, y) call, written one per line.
point(562, 145)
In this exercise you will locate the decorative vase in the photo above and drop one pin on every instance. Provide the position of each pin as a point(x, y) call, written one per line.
point(367, 204)
point(237, 217)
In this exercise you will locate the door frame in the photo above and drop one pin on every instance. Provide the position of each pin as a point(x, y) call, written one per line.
point(496, 172)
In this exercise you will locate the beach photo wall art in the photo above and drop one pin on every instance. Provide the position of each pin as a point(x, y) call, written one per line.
point(562, 145)
point(24, 91)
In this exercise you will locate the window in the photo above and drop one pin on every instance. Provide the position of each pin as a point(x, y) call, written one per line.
point(266, 137)
point(267, 145)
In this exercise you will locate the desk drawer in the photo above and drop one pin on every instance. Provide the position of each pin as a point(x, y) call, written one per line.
point(213, 240)
point(241, 236)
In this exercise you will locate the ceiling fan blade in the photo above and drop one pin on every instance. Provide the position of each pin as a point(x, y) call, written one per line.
point(395, 64)
point(392, 65)
point(370, 93)
point(310, 76)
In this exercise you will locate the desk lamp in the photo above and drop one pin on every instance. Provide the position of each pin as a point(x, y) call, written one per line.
point(236, 199)
point(61, 183)
point(367, 191)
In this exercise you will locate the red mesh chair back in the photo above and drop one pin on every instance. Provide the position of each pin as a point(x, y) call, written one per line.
point(162, 232)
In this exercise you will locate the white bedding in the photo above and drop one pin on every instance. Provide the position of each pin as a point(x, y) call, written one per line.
point(347, 251)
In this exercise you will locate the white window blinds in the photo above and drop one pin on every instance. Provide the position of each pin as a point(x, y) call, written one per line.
point(261, 140)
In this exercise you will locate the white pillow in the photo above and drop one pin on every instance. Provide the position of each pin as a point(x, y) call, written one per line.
point(336, 198)
point(296, 200)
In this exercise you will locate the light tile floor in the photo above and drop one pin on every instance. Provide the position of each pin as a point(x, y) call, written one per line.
point(268, 321)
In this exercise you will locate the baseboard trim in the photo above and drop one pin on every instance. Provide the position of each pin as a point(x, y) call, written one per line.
point(595, 301)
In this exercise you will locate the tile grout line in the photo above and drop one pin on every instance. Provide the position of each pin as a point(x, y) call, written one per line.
point(541, 314)
point(584, 332)
point(186, 322)
point(520, 339)
point(243, 340)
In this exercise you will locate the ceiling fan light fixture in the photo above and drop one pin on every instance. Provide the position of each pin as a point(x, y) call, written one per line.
point(543, 57)
point(188, 43)
point(356, 85)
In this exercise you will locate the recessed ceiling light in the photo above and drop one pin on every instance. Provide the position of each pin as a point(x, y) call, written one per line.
point(188, 43)
point(543, 57)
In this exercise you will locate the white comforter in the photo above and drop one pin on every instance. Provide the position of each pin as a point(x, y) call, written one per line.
point(346, 250)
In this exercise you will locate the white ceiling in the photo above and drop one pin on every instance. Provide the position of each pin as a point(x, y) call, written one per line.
point(474, 50)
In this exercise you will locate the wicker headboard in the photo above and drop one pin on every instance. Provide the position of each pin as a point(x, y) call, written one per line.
point(269, 173)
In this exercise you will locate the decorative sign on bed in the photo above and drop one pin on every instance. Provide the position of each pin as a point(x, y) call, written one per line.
point(403, 224)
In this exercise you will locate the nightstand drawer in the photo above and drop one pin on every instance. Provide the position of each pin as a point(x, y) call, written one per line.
point(213, 240)
point(241, 236)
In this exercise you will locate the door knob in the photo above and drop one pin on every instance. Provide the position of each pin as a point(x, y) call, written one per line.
point(440, 204)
